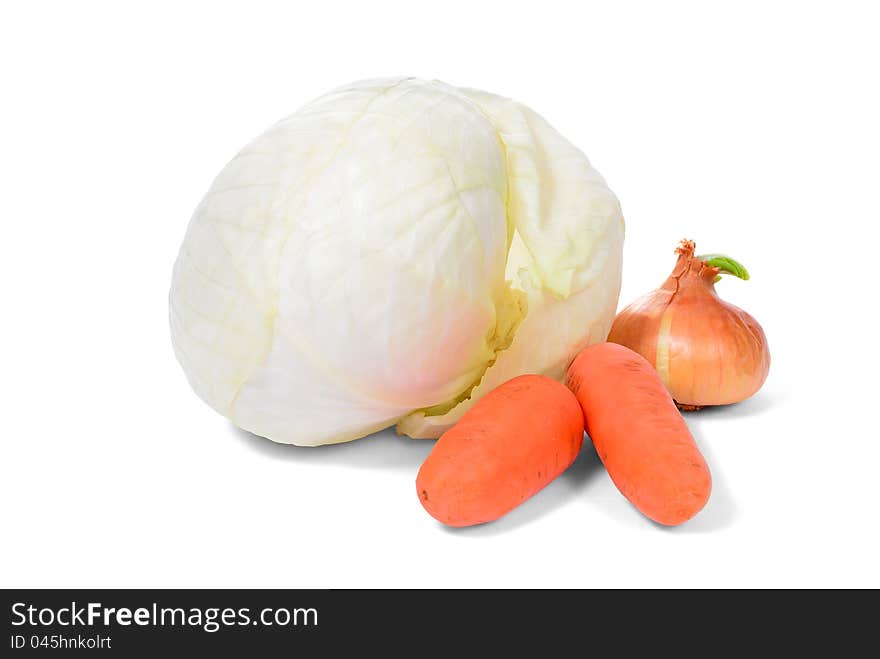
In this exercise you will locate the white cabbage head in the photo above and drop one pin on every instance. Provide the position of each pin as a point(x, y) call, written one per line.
point(387, 255)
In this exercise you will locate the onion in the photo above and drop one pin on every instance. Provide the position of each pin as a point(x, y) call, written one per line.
point(707, 352)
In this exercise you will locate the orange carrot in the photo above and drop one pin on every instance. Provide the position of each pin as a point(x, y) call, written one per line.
point(639, 434)
point(512, 443)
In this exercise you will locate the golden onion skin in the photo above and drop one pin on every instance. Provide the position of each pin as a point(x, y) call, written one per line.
point(706, 351)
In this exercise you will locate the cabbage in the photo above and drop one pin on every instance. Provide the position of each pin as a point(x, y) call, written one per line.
point(387, 255)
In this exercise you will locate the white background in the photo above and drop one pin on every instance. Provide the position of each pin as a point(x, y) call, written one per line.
point(749, 127)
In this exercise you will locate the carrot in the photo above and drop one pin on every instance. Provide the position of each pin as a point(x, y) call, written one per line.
point(639, 434)
point(509, 445)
